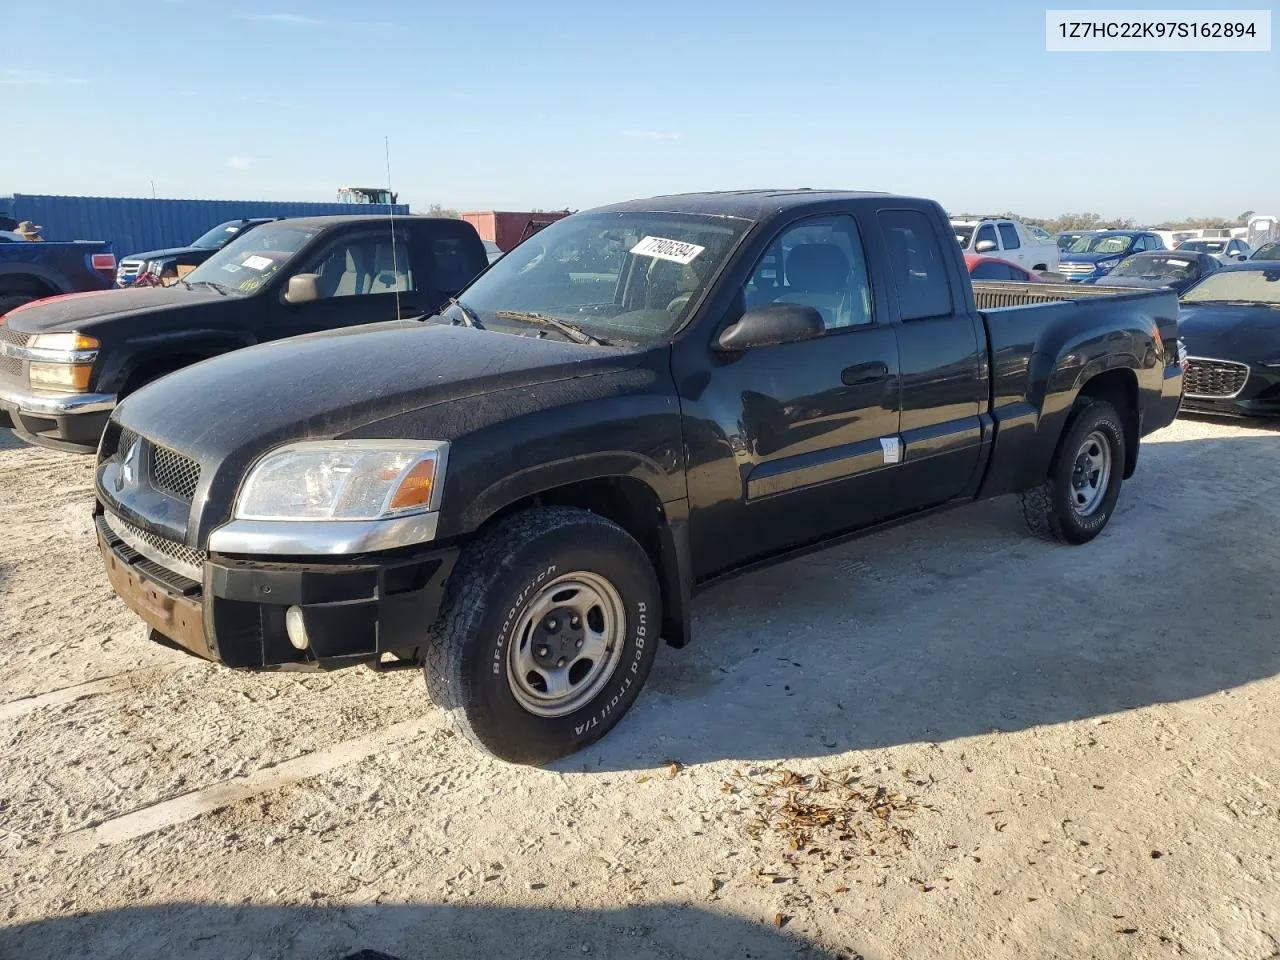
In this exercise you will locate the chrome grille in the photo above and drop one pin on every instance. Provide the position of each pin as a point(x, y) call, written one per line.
point(170, 554)
point(16, 337)
point(1074, 269)
point(10, 366)
point(1215, 379)
point(173, 473)
point(129, 269)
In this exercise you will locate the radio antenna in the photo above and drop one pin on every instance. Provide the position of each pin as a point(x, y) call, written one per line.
point(391, 208)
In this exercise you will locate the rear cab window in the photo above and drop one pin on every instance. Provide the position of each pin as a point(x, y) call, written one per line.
point(916, 264)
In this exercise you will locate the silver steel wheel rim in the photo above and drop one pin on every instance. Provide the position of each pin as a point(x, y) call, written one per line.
point(1091, 474)
point(566, 645)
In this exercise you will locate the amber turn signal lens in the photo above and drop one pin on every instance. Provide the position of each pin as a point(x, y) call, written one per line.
point(415, 488)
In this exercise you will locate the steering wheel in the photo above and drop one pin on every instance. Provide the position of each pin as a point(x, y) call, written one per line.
point(679, 303)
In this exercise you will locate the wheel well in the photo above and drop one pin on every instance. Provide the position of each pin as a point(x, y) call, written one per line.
point(26, 283)
point(157, 367)
point(632, 505)
point(1120, 389)
point(1041, 266)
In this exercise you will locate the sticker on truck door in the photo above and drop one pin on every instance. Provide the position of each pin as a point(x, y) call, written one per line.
point(892, 449)
point(677, 251)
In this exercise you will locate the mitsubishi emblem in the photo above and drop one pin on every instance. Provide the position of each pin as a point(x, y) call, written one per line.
point(128, 474)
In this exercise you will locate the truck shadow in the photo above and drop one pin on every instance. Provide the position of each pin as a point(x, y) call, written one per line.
point(401, 932)
point(9, 440)
point(963, 624)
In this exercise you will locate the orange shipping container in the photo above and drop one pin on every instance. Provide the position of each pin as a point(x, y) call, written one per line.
point(506, 228)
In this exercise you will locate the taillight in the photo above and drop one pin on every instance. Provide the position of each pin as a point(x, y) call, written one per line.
point(104, 263)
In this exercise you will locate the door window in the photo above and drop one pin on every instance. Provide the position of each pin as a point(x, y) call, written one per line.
point(1009, 236)
point(919, 271)
point(990, 271)
point(985, 232)
point(817, 263)
point(364, 265)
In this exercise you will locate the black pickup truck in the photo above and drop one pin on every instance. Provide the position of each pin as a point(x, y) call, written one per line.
point(65, 362)
point(523, 493)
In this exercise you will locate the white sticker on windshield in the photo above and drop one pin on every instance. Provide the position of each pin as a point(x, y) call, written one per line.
point(1179, 263)
point(256, 262)
point(231, 267)
point(674, 250)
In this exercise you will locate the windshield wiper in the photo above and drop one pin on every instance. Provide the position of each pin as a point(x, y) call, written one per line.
point(576, 334)
point(469, 316)
point(208, 283)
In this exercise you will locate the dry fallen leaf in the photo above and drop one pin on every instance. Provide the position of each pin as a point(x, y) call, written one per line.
point(1127, 930)
point(674, 768)
point(779, 920)
point(842, 889)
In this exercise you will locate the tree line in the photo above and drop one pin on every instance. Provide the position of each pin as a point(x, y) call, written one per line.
point(1094, 221)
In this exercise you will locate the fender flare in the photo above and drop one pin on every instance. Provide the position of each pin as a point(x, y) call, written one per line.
point(37, 272)
point(127, 362)
point(670, 535)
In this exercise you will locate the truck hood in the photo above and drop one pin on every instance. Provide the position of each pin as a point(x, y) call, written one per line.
point(170, 252)
point(83, 311)
point(327, 385)
point(1246, 334)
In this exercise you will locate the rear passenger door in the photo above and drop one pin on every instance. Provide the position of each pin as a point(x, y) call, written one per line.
point(941, 356)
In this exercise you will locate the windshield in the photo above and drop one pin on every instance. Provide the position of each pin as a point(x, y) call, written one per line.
point(1114, 243)
point(618, 276)
point(1268, 251)
point(246, 263)
point(1065, 240)
point(219, 236)
point(1167, 266)
point(964, 233)
point(1248, 286)
point(1204, 246)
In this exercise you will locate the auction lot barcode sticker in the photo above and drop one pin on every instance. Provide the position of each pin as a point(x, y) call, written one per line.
point(664, 249)
point(1154, 31)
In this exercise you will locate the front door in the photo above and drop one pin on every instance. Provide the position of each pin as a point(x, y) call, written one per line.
point(361, 278)
point(813, 425)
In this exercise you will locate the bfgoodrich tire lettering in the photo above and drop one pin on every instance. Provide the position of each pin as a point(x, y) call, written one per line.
point(498, 577)
point(1052, 510)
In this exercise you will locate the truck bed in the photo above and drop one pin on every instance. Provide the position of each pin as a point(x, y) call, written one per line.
point(995, 294)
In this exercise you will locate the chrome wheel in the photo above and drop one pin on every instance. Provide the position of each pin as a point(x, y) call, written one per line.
point(566, 645)
point(1091, 474)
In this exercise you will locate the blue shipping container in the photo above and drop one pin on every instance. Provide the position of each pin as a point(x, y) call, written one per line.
point(136, 224)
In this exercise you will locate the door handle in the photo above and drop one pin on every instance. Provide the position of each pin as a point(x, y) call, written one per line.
point(862, 373)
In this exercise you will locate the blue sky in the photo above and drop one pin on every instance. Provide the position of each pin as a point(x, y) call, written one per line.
point(555, 104)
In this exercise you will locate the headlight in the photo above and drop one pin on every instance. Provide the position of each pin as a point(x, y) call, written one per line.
point(345, 480)
point(63, 342)
point(1107, 264)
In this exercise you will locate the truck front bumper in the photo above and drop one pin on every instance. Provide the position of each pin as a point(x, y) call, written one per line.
point(354, 610)
point(71, 421)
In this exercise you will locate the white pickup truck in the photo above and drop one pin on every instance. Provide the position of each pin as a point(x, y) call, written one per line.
point(1008, 240)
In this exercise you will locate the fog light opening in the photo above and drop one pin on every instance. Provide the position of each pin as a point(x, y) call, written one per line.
point(296, 628)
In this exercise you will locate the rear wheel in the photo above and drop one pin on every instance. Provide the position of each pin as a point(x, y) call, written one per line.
point(1075, 503)
point(546, 634)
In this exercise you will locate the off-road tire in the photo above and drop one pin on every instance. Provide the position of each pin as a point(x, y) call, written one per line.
point(1048, 509)
point(495, 579)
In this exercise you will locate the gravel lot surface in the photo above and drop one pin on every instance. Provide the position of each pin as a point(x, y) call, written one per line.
point(948, 740)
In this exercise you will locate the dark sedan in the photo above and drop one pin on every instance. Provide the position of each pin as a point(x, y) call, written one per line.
point(1268, 251)
point(1230, 324)
point(1161, 268)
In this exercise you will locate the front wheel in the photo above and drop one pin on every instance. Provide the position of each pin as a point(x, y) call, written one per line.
point(546, 634)
point(1077, 499)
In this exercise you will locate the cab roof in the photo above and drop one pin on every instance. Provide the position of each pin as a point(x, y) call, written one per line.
point(745, 204)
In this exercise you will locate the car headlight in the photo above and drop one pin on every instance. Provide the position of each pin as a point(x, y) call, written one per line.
point(345, 480)
point(1108, 264)
point(61, 361)
point(63, 342)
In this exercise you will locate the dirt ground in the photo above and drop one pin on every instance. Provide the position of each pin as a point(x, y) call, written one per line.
point(944, 741)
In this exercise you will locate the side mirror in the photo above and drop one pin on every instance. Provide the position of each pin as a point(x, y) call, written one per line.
point(772, 323)
point(302, 288)
point(985, 246)
point(1242, 256)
